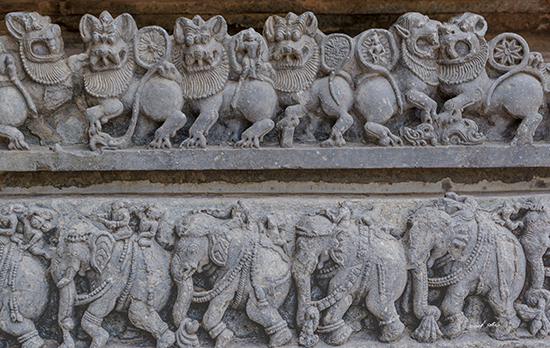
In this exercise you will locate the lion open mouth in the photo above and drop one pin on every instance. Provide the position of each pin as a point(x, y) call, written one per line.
point(201, 60)
point(291, 57)
point(101, 60)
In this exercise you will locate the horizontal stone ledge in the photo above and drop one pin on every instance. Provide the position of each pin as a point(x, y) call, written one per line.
point(79, 158)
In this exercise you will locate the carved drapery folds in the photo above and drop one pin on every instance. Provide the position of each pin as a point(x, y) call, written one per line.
point(422, 82)
point(177, 271)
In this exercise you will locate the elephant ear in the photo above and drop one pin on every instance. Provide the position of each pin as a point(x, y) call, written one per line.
point(102, 249)
point(219, 249)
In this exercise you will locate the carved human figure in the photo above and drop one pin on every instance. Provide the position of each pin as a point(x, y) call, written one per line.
point(114, 49)
point(207, 57)
point(36, 77)
point(24, 286)
point(357, 263)
point(470, 254)
point(295, 44)
point(149, 219)
point(36, 222)
point(118, 221)
point(122, 277)
point(245, 270)
point(513, 89)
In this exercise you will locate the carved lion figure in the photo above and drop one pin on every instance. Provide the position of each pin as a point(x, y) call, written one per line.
point(295, 53)
point(35, 77)
point(114, 49)
point(207, 57)
point(399, 73)
point(512, 89)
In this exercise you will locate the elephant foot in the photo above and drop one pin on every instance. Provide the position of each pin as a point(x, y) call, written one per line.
point(280, 338)
point(166, 340)
point(504, 327)
point(339, 336)
point(457, 324)
point(428, 331)
point(391, 331)
point(187, 334)
point(224, 338)
point(31, 340)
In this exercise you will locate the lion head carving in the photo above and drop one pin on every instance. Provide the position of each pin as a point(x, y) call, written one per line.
point(200, 55)
point(40, 46)
point(109, 46)
point(293, 50)
point(418, 40)
point(464, 50)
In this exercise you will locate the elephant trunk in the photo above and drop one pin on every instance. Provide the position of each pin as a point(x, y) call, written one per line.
point(186, 334)
point(301, 273)
point(67, 294)
point(428, 330)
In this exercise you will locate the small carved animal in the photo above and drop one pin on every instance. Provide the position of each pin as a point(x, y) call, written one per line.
point(400, 73)
point(113, 87)
point(35, 77)
point(294, 51)
point(465, 82)
point(205, 55)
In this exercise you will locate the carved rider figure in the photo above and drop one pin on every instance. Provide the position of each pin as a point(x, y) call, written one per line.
point(119, 222)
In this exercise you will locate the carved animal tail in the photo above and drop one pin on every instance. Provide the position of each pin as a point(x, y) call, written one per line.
point(125, 140)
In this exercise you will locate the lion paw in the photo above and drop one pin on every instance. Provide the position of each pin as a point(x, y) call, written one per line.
point(160, 143)
point(194, 141)
point(335, 140)
point(248, 143)
point(18, 143)
point(390, 140)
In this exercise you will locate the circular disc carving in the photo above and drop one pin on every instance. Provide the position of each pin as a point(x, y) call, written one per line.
point(508, 51)
point(336, 50)
point(376, 48)
point(151, 45)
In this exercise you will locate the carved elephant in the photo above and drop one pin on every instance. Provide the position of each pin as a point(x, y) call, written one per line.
point(470, 254)
point(245, 270)
point(359, 264)
point(122, 276)
point(24, 294)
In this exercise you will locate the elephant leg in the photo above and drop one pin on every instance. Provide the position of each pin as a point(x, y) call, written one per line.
point(146, 318)
point(92, 319)
point(333, 322)
point(25, 331)
point(507, 320)
point(269, 317)
point(385, 312)
point(452, 309)
point(212, 319)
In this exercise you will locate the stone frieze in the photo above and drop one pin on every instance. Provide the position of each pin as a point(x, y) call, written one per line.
point(292, 271)
point(419, 83)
